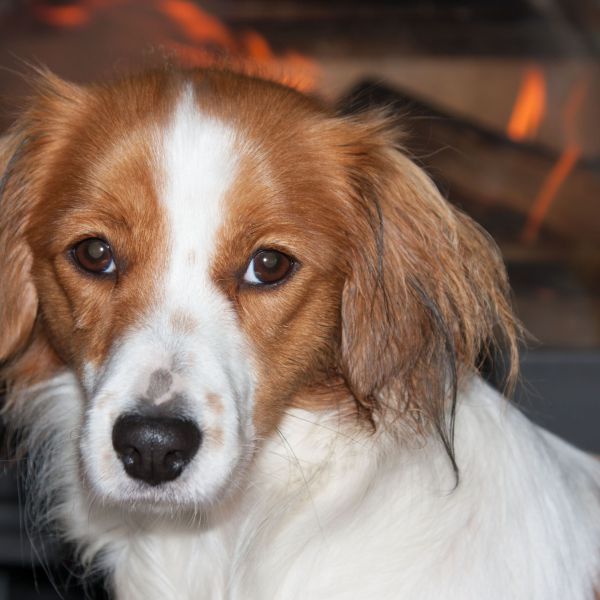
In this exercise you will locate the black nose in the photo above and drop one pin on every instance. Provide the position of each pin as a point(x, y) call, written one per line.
point(155, 449)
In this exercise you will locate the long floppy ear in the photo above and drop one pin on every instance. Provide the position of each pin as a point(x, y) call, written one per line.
point(18, 298)
point(427, 295)
point(26, 154)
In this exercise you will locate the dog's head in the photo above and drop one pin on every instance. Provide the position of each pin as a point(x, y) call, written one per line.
point(200, 249)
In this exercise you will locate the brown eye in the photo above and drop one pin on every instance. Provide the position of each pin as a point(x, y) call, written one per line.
point(268, 266)
point(94, 255)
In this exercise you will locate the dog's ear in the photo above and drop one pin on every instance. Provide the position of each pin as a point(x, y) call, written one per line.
point(26, 153)
point(18, 298)
point(427, 293)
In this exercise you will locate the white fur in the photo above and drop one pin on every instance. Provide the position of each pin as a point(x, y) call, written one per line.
point(330, 511)
point(198, 164)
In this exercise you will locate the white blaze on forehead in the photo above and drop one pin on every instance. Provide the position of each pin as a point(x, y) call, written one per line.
point(200, 163)
point(208, 358)
point(199, 166)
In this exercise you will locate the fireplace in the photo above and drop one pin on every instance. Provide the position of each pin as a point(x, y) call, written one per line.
point(500, 104)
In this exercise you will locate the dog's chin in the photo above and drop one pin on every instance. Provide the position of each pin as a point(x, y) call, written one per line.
point(181, 497)
point(166, 500)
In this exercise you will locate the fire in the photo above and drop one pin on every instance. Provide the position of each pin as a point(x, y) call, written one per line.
point(70, 16)
point(563, 167)
point(529, 107)
point(208, 40)
point(196, 24)
point(200, 38)
point(550, 187)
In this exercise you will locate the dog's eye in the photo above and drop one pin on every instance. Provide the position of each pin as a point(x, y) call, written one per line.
point(268, 266)
point(94, 255)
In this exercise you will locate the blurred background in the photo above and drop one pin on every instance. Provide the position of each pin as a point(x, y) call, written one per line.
point(501, 100)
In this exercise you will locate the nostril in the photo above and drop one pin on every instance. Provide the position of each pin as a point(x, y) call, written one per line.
point(130, 457)
point(175, 461)
point(155, 449)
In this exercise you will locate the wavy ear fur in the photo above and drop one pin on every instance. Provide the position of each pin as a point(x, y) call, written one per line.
point(27, 153)
point(18, 298)
point(427, 296)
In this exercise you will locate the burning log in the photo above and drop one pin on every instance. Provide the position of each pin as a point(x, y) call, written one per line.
point(516, 190)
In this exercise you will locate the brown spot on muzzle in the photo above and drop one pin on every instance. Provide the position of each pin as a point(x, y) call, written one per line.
point(183, 322)
point(215, 403)
point(161, 381)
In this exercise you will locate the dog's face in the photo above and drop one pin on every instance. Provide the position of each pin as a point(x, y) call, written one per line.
point(199, 249)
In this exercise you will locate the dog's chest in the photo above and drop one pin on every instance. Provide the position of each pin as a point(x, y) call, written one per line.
point(274, 542)
point(337, 520)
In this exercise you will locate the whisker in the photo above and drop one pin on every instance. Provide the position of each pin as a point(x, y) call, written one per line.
point(306, 484)
point(331, 429)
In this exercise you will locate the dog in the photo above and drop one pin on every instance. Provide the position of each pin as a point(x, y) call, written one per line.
point(241, 336)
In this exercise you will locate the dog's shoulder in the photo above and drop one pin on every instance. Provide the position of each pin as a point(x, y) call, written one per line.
point(351, 516)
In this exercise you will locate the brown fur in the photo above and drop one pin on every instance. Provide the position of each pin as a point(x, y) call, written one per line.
point(55, 185)
point(396, 294)
point(399, 294)
point(215, 403)
point(428, 295)
point(18, 298)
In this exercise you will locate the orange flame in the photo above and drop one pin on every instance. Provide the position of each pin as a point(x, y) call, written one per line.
point(209, 41)
point(530, 106)
point(550, 187)
point(198, 25)
point(62, 16)
point(563, 167)
point(70, 16)
point(201, 39)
